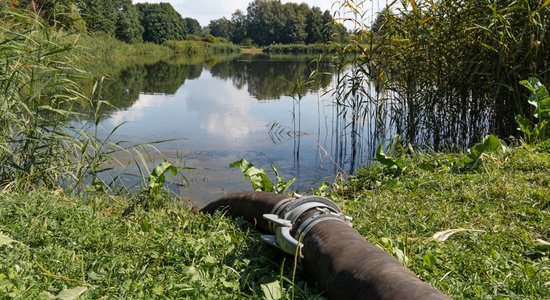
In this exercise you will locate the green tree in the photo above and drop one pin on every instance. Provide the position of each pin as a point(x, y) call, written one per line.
point(239, 26)
point(220, 28)
point(314, 25)
point(161, 22)
point(294, 30)
point(193, 26)
point(118, 18)
point(100, 15)
point(270, 22)
point(267, 21)
point(128, 25)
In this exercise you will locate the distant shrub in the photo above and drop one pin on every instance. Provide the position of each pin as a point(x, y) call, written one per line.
point(193, 47)
point(300, 48)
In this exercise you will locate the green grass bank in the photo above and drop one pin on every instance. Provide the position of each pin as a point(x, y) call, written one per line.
point(300, 49)
point(103, 54)
point(55, 243)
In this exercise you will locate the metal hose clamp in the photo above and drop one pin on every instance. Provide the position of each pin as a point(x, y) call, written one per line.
point(285, 213)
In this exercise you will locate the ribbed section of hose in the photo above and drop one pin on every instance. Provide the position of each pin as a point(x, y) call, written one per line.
point(335, 255)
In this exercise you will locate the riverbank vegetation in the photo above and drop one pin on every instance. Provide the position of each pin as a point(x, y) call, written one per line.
point(51, 242)
point(447, 69)
point(104, 55)
point(300, 49)
point(63, 233)
point(264, 23)
point(213, 47)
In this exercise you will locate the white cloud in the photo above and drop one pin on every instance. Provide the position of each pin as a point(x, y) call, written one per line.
point(207, 10)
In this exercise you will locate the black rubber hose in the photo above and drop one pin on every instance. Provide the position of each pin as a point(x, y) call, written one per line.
point(251, 206)
point(336, 256)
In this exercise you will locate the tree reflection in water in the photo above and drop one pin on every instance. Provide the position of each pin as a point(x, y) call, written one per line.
point(348, 127)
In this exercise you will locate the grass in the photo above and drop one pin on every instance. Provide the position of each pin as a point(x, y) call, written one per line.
point(102, 54)
point(508, 199)
point(63, 242)
point(190, 48)
point(300, 49)
point(66, 242)
point(54, 244)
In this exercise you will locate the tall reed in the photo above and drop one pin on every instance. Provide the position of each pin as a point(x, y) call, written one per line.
point(450, 68)
point(37, 92)
point(43, 143)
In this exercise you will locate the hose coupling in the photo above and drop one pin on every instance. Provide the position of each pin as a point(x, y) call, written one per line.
point(284, 215)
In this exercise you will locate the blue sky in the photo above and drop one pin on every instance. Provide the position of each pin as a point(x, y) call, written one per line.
point(206, 10)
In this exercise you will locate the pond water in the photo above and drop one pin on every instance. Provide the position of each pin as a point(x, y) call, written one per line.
point(257, 107)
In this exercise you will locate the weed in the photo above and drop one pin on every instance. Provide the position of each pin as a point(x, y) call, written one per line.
point(394, 165)
point(260, 180)
point(540, 99)
point(473, 158)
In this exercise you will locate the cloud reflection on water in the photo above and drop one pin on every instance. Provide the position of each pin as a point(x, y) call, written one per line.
point(138, 110)
point(224, 111)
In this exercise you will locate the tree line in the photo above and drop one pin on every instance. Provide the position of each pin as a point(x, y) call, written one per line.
point(132, 23)
point(272, 22)
point(266, 21)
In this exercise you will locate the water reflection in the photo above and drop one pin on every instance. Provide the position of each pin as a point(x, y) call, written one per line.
point(161, 78)
point(223, 112)
point(220, 111)
point(270, 77)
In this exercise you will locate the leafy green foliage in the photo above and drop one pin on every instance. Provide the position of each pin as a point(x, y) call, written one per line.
point(158, 176)
point(475, 154)
point(154, 194)
point(193, 26)
point(282, 184)
point(259, 179)
point(540, 99)
point(272, 22)
point(100, 16)
point(221, 27)
point(128, 27)
point(161, 22)
point(394, 165)
point(323, 190)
